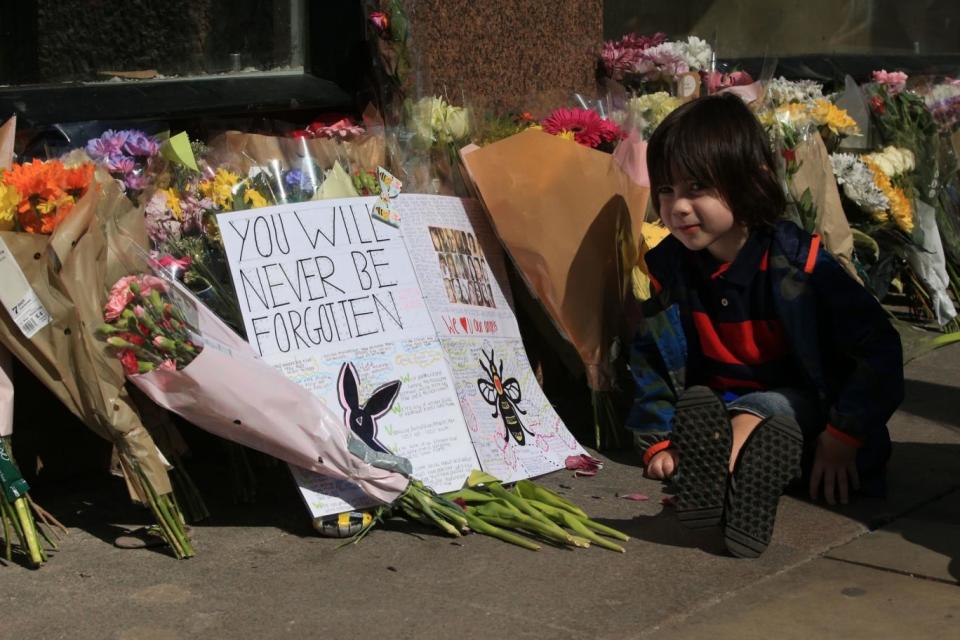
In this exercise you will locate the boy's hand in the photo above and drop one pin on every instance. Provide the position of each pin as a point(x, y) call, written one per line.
point(835, 465)
point(662, 464)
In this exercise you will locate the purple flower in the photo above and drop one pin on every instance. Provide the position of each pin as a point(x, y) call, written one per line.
point(136, 181)
point(140, 144)
point(293, 178)
point(107, 145)
point(120, 164)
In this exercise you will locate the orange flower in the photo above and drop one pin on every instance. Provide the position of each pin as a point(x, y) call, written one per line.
point(48, 192)
point(77, 180)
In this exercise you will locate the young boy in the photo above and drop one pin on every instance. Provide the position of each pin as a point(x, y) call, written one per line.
point(760, 357)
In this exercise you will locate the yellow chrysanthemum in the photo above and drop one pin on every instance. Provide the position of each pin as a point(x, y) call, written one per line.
point(220, 188)
point(902, 210)
point(900, 207)
point(173, 202)
point(254, 199)
point(829, 115)
point(9, 199)
point(792, 113)
point(48, 207)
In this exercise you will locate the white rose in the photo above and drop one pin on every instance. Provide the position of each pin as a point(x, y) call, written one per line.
point(882, 163)
point(457, 123)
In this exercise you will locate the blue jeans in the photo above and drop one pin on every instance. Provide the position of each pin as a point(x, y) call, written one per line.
point(804, 407)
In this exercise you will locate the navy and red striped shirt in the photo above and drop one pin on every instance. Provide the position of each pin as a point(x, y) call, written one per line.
point(741, 342)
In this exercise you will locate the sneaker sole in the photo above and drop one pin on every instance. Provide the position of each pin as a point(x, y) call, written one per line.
point(768, 462)
point(703, 438)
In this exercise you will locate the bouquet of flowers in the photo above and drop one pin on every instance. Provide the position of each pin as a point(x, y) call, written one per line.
point(801, 124)
point(868, 181)
point(571, 219)
point(902, 120)
point(653, 61)
point(425, 148)
point(186, 360)
point(54, 263)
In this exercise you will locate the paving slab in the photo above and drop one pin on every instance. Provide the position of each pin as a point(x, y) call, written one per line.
point(828, 599)
point(923, 543)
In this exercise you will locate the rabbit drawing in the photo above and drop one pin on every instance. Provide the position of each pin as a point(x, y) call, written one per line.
point(362, 419)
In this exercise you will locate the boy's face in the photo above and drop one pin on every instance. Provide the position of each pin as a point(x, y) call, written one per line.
point(699, 218)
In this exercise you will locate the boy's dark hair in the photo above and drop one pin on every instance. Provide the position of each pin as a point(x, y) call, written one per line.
point(718, 142)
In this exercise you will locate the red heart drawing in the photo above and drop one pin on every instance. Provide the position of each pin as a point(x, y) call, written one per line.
point(463, 323)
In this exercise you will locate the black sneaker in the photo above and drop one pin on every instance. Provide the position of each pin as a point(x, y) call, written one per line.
point(767, 463)
point(703, 438)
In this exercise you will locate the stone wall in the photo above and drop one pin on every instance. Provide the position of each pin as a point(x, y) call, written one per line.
point(505, 49)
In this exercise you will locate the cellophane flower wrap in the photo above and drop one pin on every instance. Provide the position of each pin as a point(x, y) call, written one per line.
point(330, 158)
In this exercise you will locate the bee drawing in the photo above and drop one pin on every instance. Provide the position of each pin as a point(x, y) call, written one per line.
point(504, 395)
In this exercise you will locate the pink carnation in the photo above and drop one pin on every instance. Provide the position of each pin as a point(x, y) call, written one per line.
point(120, 295)
point(167, 365)
point(624, 56)
point(895, 81)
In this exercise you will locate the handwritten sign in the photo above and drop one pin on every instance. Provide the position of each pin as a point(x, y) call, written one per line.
point(401, 331)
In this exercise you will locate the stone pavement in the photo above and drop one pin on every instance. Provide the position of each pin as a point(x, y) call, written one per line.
point(877, 569)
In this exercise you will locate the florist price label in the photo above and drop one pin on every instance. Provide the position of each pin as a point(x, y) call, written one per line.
point(18, 297)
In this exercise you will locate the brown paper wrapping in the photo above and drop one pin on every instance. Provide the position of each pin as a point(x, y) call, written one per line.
point(7, 137)
point(68, 270)
point(815, 173)
point(571, 221)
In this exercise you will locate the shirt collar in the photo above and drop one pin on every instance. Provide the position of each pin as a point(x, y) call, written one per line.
point(751, 258)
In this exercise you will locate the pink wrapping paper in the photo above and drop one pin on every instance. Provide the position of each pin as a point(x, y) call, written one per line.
point(237, 397)
point(631, 156)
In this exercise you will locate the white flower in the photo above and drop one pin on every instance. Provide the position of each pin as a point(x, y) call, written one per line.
point(456, 124)
point(697, 53)
point(893, 161)
point(856, 178)
point(781, 91)
point(648, 110)
point(433, 120)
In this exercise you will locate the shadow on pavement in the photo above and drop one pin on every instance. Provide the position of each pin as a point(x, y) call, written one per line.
point(928, 400)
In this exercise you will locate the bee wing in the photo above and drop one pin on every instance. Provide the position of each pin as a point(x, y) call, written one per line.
point(487, 390)
point(512, 388)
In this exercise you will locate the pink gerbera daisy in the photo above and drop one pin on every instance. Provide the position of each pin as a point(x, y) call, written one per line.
point(588, 128)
